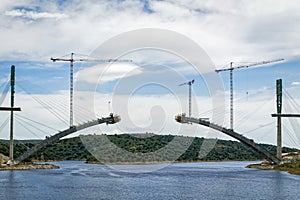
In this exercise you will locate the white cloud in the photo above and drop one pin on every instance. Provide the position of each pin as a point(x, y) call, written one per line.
point(295, 83)
point(107, 72)
point(34, 15)
point(235, 31)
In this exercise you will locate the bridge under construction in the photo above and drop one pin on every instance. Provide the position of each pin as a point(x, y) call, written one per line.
point(250, 143)
point(182, 118)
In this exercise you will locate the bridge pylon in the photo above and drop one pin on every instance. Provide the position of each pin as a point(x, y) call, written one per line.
point(279, 115)
point(11, 109)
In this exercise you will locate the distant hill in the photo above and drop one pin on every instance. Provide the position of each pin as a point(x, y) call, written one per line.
point(148, 146)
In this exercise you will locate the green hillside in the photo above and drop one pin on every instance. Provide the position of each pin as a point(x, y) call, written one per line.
point(145, 147)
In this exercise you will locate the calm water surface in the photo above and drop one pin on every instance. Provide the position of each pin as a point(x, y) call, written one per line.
point(213, 180)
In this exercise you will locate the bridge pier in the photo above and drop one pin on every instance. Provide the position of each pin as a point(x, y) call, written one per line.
point(279, 105)
point(279, 139)
point(279, 116)
point(279, 133)
point(11, 109)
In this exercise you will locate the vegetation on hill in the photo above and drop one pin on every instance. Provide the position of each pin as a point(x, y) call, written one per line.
point(145, 147)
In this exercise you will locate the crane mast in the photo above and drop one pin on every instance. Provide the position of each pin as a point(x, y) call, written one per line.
point(72, 60)
point(230, 69)
point(189, 83)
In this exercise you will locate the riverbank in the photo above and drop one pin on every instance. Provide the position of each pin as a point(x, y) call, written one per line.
point(31, 166)
point(164, 162)
point(292, 168)
point(291, 164)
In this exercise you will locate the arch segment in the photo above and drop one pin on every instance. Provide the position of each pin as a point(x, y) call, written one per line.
point(250, 143)
point(108, 120)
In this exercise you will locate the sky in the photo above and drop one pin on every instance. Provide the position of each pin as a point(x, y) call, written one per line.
point(169, 43)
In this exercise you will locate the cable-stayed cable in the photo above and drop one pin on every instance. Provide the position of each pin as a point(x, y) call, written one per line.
point(290, 135)
point(39, 123)
point(4, 124)
point(23, 122)
point(4, 93)
point(47, 107)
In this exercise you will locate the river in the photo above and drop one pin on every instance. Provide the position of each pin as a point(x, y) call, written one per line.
point(203, 180)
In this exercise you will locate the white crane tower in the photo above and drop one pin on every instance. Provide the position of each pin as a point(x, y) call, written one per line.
point(231, 68)
point(72, 60)
point(189, 83)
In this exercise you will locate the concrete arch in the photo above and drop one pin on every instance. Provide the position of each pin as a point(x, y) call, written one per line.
point(183, 119)
point(108, 120)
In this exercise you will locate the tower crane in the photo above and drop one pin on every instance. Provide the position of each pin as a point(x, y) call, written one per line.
point(189, 83)
point(72, 60)
point(230, 69)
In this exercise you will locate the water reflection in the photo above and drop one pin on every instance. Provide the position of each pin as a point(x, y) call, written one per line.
point(11, 184)
point(278, 185)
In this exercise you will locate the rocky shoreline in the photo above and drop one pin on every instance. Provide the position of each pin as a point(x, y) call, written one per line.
point(290, 164)
point(23, 166)
point(28, 167)
point(262, 165)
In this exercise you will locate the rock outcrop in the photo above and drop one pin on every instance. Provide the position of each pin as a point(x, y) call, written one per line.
point(3, 159)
